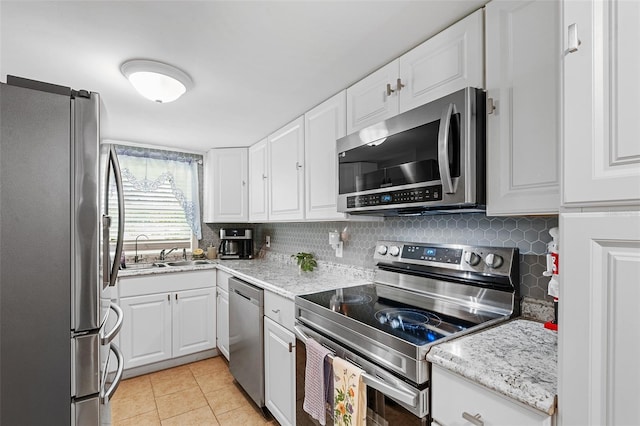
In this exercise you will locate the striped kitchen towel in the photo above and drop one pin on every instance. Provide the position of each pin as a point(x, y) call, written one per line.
point(314, 385)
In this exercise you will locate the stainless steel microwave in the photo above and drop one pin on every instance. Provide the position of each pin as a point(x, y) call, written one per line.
point(427, 160)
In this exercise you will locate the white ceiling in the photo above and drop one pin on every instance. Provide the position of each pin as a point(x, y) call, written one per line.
point(256, 65)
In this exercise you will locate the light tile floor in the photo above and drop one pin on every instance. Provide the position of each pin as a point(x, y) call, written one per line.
point(201, 393)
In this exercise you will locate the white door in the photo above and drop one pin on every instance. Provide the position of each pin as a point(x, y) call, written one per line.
point(258, 178)
point(222, 323)
point(449, 61)
point(280, 372)
point(194, 321)
point(231, 196)
point(601, 103)
point(145, 336)
point(523, 82)
point(286, 172)
point(323, 125)
point(370, 100)
point(208, 185)
point(598, 338)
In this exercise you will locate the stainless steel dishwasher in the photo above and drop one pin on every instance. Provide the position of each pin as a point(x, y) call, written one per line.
point(246, 337)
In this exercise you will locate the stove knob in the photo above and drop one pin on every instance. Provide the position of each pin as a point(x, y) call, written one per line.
point(472, 258)
point(493, 260)
point(382, 250)
point(394, 250)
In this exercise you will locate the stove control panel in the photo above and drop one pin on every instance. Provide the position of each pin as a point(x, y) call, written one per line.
point(494, 260)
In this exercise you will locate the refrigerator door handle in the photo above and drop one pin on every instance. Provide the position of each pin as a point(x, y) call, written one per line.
point(113, 160)
point(108, 337)
point(108, 394)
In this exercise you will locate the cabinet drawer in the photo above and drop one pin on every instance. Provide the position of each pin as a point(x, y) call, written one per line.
point(140, 285)
point(280, 309)
point(473, 399)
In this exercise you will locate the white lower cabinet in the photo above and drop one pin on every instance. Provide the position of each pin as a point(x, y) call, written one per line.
point(164, 318)
point(222, 312)
point(598, 339)
point(280, 372)
point(146, 329)
point(455, 399)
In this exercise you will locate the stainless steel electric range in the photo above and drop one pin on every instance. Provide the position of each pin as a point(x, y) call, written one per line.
point(422, 294)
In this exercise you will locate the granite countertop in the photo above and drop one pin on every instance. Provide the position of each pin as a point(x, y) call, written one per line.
point(517, 359)
point(276, 275)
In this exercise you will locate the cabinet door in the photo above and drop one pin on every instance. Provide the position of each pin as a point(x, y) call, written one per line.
point(222, 323)
point(601, 103)
point(145, 336)
point(369, 102)
point(453, 396)
point(323, 125)
point(449, 61)
point(258, 189)
point(598, 339)
point(280, 372)
point(194, 321)
point(286, 174)
point(523, 80)
point(230, 195)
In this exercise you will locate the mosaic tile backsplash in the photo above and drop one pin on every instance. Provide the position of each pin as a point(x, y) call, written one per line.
point(529, 234)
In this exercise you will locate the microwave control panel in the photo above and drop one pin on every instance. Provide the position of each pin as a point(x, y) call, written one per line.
point(406, 196)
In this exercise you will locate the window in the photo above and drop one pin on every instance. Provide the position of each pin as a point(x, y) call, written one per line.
point(161, 199)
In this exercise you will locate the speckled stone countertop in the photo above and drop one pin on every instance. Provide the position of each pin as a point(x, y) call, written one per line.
point(517, 358)
point(276, 274)
point(287, 280)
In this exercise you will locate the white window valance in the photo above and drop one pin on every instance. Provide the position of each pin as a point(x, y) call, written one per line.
point(148, 169)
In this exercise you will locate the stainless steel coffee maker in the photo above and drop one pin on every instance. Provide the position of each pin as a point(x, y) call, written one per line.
point(236, 244)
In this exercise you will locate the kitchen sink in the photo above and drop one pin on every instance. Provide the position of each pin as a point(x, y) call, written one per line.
point(144, 265)
point(188, 263)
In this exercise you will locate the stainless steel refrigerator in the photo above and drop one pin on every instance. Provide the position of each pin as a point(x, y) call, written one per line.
point(58, 265)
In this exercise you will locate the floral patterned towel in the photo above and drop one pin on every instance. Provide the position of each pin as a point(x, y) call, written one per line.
point(349, 393)
point(314, 384)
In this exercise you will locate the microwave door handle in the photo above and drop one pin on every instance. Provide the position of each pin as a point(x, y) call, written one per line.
point(443, 149)
point(113, 160)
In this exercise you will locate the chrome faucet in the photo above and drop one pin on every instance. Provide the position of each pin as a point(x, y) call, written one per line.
point(163, 254)
point(136, 259)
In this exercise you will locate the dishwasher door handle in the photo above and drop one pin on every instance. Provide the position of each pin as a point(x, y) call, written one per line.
point(240, 294)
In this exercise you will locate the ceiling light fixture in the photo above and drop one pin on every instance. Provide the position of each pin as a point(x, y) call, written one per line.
point(156, 81)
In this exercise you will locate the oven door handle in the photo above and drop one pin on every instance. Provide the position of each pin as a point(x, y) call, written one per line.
point(374, 382)
point(443, 149)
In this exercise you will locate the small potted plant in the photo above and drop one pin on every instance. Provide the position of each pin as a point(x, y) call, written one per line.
point(305, 261)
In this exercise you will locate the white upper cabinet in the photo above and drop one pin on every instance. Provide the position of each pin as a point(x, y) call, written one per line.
point(373, 98)
point(258, 181)
point(227, 196)
point(323, 125)
point(601, 103)
point(449, 61)
point(523, 82)
point(286, 172)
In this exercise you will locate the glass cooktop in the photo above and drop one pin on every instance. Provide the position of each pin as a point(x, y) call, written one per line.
point(400, 319)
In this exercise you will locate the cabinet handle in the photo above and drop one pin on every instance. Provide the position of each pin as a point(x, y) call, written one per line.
point(291, 346)
point(399, 85)
point(264, 176)
point(168, 297)
point(491, 107)
point(298, 165)
point(176, 297)
point(389, 90)
point(473, 419)
point(275, 311)
point(244, 183)
point(574, 42)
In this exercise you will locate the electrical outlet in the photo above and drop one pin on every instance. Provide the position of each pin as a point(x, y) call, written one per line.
point(267, 240)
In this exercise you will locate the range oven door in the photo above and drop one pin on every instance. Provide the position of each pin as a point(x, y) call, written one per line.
point(426, 158)
point(390, 401)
